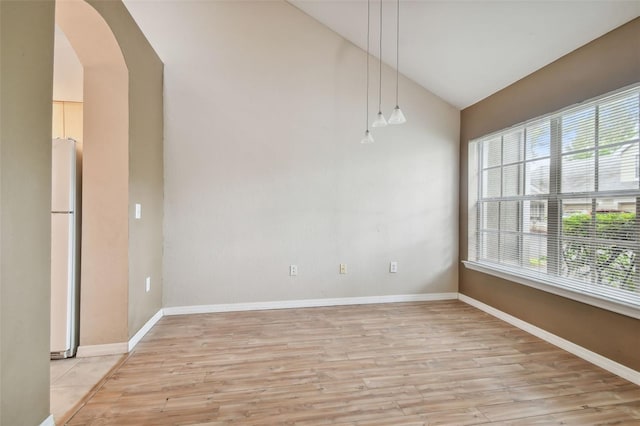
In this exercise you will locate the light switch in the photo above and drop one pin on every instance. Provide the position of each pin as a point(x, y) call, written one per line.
point(138, 211)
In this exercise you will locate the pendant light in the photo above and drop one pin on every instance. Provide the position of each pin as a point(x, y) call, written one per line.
point(367, 138)
point(397, 117)
point(380, 120)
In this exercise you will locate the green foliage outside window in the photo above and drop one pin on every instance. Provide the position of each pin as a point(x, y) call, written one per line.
point(614, 262)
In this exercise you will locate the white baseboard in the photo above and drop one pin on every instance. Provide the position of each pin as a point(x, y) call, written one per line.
point(101, 350)
point(307, 303)
point(590, 356)
point(48, 421)
point(122, 347)
point(594, 358)
point(144, 330)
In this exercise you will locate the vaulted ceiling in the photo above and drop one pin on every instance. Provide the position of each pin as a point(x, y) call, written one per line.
point(464, 51)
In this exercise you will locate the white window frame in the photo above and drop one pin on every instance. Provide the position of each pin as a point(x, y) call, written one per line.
point(587, 294)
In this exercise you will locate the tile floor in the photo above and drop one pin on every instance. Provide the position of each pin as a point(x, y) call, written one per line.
point(72, 379)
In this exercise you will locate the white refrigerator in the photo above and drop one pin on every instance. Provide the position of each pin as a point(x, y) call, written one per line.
point(64, 248)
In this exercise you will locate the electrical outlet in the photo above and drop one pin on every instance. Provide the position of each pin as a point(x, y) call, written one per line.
point(293, 270)
point(138, 211)
point(343, 268)
point(393, 267)
point(148, 284)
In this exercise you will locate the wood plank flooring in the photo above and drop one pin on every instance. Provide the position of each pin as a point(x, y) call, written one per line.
point(431, 363)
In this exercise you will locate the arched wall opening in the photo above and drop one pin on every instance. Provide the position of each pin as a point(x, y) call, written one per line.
point(105, 196)
point(26, 56)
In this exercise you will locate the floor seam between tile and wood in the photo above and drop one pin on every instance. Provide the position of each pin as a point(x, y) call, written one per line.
point(75, 380)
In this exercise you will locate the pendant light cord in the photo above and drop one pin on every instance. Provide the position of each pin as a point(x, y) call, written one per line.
point(397, 47)
point(380, 75)
point(368, 29)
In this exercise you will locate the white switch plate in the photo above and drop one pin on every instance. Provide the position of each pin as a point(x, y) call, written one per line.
point(138, 211)
point(293, 270)
point(148, 284)
point(343, 268)
point(393, 267)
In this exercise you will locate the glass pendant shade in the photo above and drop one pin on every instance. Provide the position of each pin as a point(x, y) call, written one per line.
point(380, 121)
point(397, 117)
point(368, 138)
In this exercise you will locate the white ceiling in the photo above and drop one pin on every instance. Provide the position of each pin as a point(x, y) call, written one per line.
point(464, 51)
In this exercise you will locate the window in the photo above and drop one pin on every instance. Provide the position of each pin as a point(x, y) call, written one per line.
point(554, 200)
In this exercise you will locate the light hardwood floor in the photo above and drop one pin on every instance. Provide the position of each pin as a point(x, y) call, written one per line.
point(393, 364)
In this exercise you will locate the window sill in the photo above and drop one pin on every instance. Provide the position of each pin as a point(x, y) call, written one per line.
point(599, 302)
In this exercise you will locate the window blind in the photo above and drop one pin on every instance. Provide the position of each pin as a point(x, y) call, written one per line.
point(557, 198)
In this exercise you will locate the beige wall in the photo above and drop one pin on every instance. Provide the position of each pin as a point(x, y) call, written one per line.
point(607, 63)
point(104, 263)
point(67, 70)
point(26, 37)
point(145, 170)
point(263, 165)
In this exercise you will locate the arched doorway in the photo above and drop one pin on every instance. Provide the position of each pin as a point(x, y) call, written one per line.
point(104, 247)
point(25, 145)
